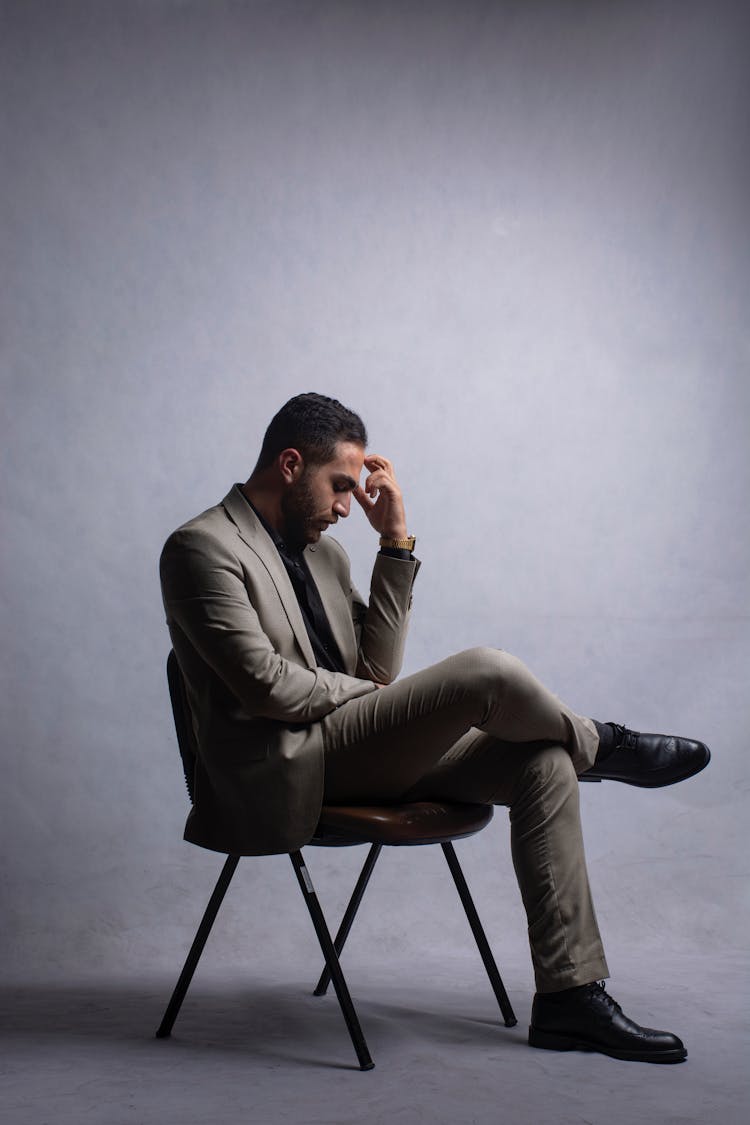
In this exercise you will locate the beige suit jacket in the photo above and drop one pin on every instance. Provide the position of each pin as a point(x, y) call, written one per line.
point(254, 690)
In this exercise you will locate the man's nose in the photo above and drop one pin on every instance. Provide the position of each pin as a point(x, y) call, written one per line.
point(342, 504)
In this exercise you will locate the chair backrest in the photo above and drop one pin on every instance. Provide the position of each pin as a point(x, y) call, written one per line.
point(181, 713)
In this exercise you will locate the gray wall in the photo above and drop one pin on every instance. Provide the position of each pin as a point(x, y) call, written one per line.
point(512, 235)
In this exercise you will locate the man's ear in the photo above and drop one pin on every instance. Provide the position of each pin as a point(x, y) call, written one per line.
point(291, 465)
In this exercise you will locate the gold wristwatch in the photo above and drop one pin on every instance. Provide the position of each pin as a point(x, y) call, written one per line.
point(402, 544)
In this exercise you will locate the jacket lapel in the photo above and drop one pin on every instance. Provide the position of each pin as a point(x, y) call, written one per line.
point(252, 532)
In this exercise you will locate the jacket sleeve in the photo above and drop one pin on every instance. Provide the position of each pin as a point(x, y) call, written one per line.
point(384, 622)
point(206, 599)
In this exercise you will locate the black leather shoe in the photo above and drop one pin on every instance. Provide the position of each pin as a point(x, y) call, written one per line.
point(587, 1019)
point(649, 760)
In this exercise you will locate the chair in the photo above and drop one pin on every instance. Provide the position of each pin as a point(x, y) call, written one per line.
point(407, 825)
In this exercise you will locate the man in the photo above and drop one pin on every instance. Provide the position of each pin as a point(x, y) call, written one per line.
point(291, 681)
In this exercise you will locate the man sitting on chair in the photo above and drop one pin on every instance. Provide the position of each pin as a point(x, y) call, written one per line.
point(291, 680)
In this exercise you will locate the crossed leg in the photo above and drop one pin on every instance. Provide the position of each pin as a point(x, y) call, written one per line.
point(480, 727)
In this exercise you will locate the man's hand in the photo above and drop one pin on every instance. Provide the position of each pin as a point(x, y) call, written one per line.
point(380, 498)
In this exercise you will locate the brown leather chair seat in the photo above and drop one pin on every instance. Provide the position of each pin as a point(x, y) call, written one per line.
point(420, 822)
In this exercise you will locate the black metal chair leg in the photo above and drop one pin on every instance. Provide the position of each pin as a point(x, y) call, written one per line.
point(332, 961)
point(349, 915)
point(199, 941)
point(479, 936)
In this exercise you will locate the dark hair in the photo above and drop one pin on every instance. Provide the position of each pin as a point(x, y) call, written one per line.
point(313, 424)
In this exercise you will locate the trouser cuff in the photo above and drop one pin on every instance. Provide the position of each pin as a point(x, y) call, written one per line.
point(573, 975)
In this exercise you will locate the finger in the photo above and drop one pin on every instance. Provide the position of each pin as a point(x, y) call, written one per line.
point(374, 482)
point(381, 476)
point(381, 481)
point(362, 499)
point(376, 461)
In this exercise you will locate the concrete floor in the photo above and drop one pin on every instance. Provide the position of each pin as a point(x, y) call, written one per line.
point(261, 1049)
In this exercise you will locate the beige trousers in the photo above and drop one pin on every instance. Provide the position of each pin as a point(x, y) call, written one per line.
point(480, 727)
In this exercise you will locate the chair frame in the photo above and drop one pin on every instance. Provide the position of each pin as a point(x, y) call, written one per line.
point(331, 948)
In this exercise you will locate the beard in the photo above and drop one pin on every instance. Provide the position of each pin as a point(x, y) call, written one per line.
point(301, 524)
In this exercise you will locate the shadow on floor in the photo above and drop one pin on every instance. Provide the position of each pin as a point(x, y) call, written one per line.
point(279, 1022)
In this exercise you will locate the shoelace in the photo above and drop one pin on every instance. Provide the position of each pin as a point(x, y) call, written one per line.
point(624, 739)
point(598, 986)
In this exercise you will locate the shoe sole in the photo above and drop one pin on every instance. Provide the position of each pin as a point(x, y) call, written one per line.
point(549, 1041)
point(656, 781)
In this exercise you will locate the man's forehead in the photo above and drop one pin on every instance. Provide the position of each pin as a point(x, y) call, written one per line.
point(348, 459)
